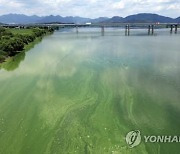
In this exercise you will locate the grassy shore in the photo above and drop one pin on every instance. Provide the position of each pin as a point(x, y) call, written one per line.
point(14, 41)
point(13, 62)
point(21, 31)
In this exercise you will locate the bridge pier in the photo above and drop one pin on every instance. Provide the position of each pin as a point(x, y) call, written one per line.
point(102, 29)
point(171, 29)
point(176, 28)
point(151, 29)
point(77, 30)
point(127, 30)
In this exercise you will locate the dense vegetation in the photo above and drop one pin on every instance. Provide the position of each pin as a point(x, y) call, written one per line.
point(13, 43)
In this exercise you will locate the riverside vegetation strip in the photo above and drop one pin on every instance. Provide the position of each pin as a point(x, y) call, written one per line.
point(13, 41)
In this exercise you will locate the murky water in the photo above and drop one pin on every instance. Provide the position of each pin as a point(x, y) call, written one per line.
point(83, 92)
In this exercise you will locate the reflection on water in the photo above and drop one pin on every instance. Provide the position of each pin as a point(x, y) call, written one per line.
point(82, 92)
point(13, 62)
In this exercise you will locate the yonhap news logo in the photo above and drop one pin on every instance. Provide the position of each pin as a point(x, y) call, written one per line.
point(134, 138)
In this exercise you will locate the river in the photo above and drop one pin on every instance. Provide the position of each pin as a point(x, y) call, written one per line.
point(83, 92)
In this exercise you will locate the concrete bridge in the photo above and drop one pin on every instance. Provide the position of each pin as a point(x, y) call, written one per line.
point(149, 26)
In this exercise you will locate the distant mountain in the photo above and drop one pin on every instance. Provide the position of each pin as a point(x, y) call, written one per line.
point(78, 19)
point(24, 19)
point(18, 18)
point(147, 18)
point(69, 19)
point(142, 18)
point(137, 18)
point(114, 19)
point(97, 20)
point(177, 20)
point(51, 18)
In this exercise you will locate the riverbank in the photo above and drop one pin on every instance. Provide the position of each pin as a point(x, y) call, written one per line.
point(13, 62)
point(15, 41)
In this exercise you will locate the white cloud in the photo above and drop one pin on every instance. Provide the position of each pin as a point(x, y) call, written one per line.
point(91, 8)
point(118, 5)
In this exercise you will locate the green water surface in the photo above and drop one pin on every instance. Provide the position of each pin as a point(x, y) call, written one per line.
point(82, 93)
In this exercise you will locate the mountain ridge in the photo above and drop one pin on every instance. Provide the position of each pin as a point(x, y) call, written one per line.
point(135, 18)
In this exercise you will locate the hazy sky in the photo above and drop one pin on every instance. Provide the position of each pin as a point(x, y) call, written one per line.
point(90, 8)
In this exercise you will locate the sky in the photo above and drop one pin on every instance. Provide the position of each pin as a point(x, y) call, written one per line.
point(90, 8)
